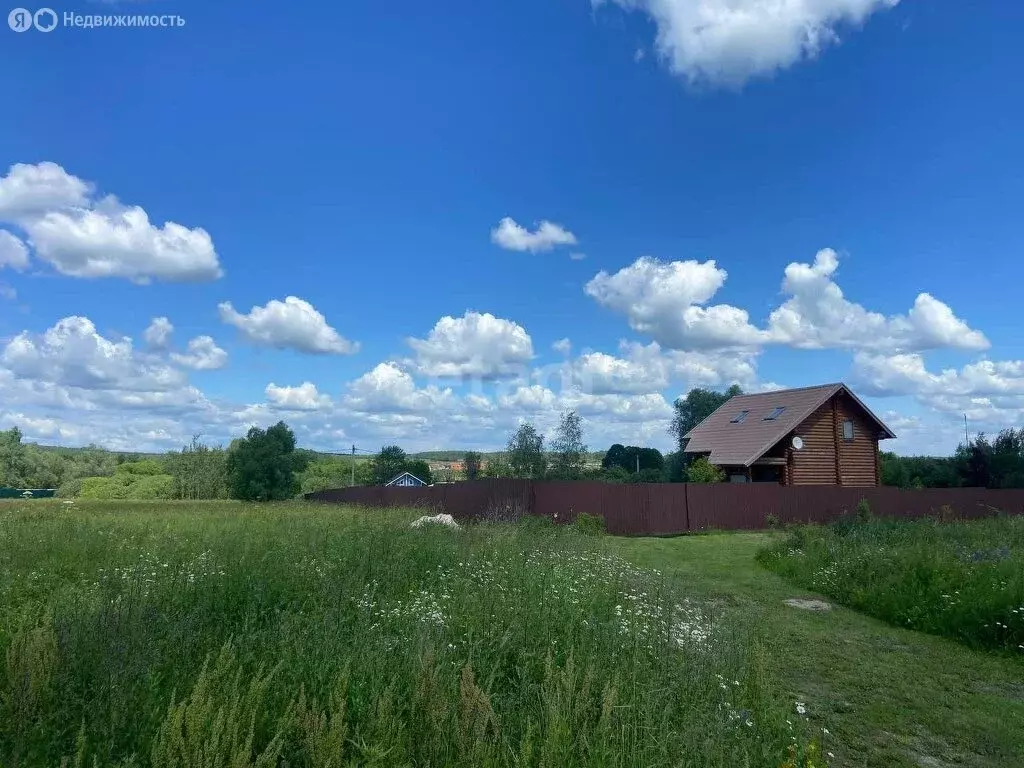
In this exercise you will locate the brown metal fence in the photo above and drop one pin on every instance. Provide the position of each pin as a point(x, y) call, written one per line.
point(661, 508)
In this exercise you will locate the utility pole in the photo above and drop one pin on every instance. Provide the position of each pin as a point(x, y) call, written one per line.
point(638, 462)
point(967, 436)
point(353, 465)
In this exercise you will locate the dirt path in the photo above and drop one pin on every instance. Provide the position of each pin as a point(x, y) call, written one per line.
point(889, 697)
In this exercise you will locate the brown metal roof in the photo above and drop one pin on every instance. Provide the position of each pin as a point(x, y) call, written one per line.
point(743, 443)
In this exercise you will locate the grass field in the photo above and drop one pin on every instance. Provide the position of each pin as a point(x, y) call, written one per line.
point(224, 634)
point(221, 634)
point(960, 579)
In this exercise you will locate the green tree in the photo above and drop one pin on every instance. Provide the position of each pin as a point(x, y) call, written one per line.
point(1008, 459)
point(262, 465)
point(703, 471)
point(389, 464)
point(525, 453)
point(326, 472)
point(472, 461)
point(13, 459)
point(497, 466)
point(614, 474)
point(199, 471)
point(420, 469)
point(569, 453)
point(975, 463)
point(631, 457)
point(695, 407)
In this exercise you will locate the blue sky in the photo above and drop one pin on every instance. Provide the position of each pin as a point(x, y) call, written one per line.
point(852, 168)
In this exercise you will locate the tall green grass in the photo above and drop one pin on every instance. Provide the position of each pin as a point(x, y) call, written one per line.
point(221, 634)
point(960, 579)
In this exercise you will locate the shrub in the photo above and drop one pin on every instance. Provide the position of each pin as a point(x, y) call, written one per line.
point(144, 467)
point(534, 524)
point(589, 525)
point(126, 486)
point(70, 489)
point(772, 521)
point(703, 471)
point(863, 511)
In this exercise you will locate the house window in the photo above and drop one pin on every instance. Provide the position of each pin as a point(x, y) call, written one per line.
point(847, 430)
point(776, 413)
point(739, 417)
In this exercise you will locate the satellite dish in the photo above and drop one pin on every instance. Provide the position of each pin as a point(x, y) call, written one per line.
point(797, 442)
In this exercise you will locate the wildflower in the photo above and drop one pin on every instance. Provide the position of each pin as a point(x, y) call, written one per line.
point(801, 709)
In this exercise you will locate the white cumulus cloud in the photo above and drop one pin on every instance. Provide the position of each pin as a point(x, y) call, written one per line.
point(158, 333)
point(13, 252)
point(289, 324)
point(202, 354)
point(515, 237)
point(389, 389)
point(81, 235)
point(730, 41)
point(476, 344)
point(817, 315)
point(665, 301)
point(73, 353)
point(304, 397)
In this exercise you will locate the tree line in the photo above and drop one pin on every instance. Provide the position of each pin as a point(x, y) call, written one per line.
point(266, 464)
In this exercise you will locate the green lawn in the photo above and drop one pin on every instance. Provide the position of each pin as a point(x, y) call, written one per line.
point(888, 696)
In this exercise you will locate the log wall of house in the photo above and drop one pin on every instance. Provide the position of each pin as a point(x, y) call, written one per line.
point(815, 463)
point(858, 457)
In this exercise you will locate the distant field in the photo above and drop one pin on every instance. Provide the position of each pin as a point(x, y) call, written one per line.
point(218, 633)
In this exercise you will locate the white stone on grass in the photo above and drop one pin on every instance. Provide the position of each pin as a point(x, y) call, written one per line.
point(442, 519)
point(808, 605)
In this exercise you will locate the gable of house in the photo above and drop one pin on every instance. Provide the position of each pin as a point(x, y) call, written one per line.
point(406, 479)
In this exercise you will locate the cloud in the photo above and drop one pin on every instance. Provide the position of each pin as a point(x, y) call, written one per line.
point(301, 398)
point(13, 252)
point(81, 235)
point(817, 315)
point(28, 191)
point(7, 292)
point(641, 369)
point(731, 41)
point(203, 355)
point(158, 334)
point(513, 237)
point(289, 324)
point(475, 344)
point(907, 374)
point(576, 256)
point(562, 346)
point(389, 389)
point(73, 353)
point(663, 300)
point(666, 301)
point(989, 393)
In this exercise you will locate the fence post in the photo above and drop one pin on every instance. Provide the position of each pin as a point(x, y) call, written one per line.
point(686, 505)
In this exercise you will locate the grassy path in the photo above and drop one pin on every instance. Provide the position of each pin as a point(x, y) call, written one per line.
point(889, 697)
